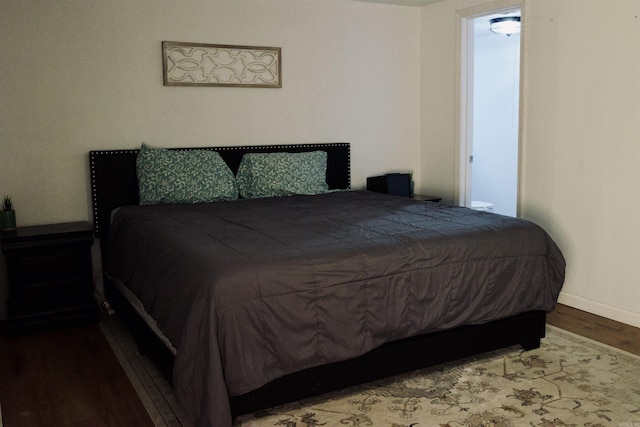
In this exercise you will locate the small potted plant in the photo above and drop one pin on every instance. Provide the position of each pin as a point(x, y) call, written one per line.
point(7, 215)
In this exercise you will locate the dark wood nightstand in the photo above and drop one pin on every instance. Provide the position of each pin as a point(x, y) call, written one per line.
point(426, 198)
point(50, 276)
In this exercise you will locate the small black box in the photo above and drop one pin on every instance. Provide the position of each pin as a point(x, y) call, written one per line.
point(397, 184)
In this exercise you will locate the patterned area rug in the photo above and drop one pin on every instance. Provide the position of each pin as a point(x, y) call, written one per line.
point(568, 381)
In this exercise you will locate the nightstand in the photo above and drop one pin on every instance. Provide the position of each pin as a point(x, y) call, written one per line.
point(50, 276)
point(426, 198)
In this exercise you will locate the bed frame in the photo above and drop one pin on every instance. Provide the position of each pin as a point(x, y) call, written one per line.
point(114, 184)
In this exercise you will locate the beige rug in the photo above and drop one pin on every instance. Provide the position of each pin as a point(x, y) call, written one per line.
point(569, 381)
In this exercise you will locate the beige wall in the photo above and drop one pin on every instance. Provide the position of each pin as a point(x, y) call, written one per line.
point(582, 146)
point(80, 75)
point(581, 137)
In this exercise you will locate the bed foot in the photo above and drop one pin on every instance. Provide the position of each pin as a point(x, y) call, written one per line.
point(530, 344)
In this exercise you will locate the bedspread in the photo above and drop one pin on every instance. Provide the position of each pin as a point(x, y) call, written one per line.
point(251, 290)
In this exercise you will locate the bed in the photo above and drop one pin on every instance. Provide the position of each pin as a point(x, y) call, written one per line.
point(246, 304)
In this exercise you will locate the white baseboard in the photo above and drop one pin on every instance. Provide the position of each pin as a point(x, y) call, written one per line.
point(597, 308)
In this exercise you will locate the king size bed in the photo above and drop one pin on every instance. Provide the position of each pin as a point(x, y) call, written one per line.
point(249, 302)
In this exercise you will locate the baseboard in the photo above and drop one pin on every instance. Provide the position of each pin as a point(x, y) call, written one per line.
point(610, 312)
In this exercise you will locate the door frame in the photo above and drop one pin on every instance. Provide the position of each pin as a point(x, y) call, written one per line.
point(464, 96)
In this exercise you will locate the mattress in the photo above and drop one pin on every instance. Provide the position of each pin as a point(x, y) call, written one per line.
point(250, 290)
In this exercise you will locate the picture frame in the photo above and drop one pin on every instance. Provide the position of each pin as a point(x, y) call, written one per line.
point(221, 65)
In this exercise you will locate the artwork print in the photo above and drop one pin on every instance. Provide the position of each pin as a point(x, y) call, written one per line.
point(193, 64)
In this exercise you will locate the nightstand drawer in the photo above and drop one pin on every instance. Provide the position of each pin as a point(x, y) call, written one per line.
point(50, 265)
point(53, 295)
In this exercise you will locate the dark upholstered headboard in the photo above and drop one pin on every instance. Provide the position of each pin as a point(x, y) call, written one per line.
point(114, 181)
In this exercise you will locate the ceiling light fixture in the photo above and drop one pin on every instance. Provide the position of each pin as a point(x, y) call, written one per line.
point(507, 25)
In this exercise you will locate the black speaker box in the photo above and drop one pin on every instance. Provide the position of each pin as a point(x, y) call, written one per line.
point(397, 184)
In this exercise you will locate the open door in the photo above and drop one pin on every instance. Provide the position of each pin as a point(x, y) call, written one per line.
point(489, 126)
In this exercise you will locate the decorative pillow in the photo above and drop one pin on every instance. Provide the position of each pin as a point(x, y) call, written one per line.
point(282, 174)
point(193, 176)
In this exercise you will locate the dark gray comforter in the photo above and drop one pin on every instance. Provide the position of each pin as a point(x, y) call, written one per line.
point(250, 290)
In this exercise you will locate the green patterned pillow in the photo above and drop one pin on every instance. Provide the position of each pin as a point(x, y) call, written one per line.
point(282, 174)
point(193, 176)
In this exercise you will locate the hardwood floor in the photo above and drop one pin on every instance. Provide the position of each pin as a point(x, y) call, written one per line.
point(597, 328)
point(66, 377)
point(70, 376)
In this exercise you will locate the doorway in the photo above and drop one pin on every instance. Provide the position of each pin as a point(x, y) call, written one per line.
point(489, 126)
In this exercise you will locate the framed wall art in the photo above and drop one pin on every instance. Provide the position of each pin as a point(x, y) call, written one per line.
point(195, 64)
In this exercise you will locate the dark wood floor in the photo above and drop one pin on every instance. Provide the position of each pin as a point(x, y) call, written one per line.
point(66, 377)
point(597, 328)
point(70, 377)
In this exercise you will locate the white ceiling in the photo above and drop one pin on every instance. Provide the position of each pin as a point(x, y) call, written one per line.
point(404, 2)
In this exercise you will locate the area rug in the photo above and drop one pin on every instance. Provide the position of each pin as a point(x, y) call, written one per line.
point(568, 381)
